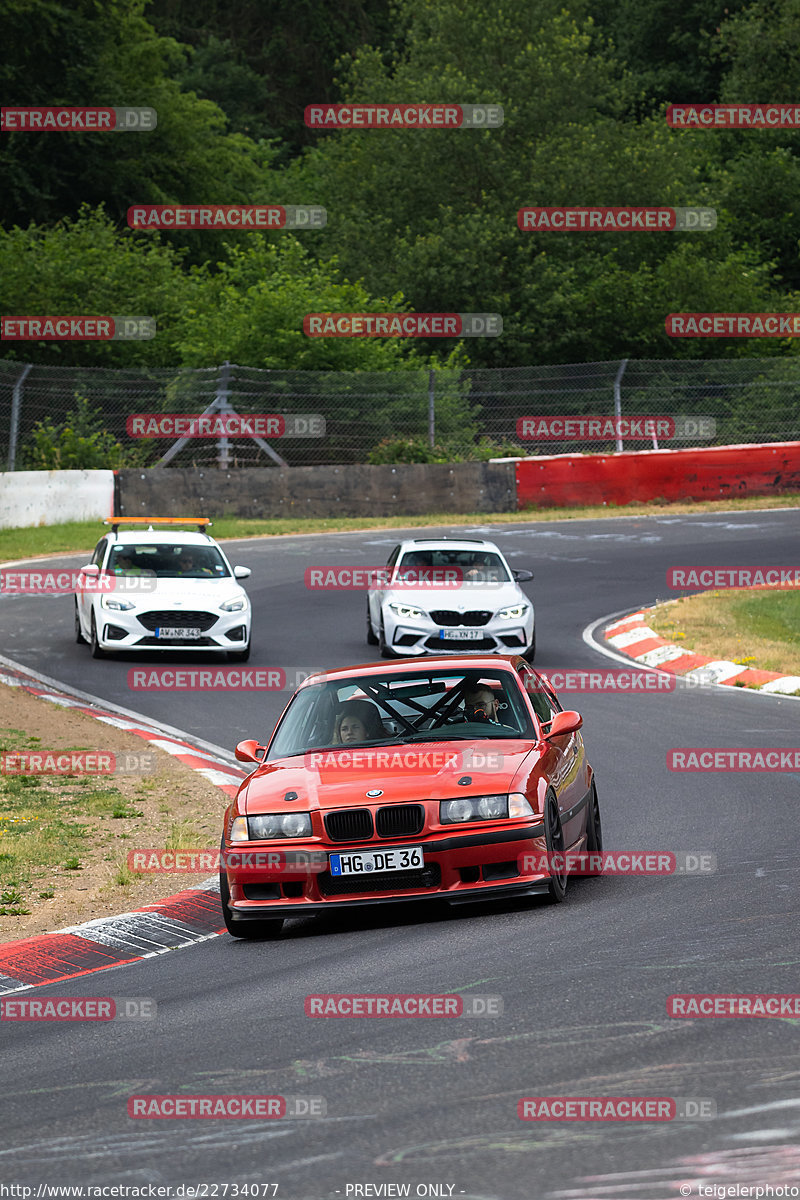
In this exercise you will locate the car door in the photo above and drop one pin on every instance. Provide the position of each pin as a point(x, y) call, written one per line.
point(568, 772)
point(375, 596)
point(86, 597)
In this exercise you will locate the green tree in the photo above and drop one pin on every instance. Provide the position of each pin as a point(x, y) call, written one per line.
point(87, 53)
point(87, 266)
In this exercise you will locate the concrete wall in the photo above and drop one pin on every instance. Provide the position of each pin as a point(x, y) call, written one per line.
point(352, 491)
point(54, 497)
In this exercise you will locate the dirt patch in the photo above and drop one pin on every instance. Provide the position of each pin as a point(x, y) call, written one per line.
point(103, 816)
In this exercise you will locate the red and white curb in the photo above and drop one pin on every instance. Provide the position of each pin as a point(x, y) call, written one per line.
point(633, 637)
point(189, 916)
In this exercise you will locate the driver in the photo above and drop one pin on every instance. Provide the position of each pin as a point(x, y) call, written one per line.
point(480, 704)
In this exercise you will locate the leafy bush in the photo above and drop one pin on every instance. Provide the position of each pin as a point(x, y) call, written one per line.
point(418, 450)
point(79, 443)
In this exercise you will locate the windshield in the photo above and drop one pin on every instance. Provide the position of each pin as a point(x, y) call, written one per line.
point(475, 566)
point(392, 708)
point(171, 561)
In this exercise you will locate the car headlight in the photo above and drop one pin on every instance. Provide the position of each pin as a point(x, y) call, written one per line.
point(473, 808)
point(118, 605)
point(407, 610)
point(518, 805)
point(238, 831)
point(235, 605)
point(279, 825)
point(514, 612)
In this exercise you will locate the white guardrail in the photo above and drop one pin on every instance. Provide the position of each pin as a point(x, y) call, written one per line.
point(53, 497)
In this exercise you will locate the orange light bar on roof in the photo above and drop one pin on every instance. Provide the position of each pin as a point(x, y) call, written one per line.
point(201, 522)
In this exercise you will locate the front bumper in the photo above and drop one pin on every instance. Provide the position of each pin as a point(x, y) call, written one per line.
point(459, 868)
point(125, 631)
point(497, 636)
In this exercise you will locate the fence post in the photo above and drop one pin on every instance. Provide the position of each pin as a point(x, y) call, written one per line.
point(222, 404)
point(618, 401)
point(431, 406)
point(16, 406)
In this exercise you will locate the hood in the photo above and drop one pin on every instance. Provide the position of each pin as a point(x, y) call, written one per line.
point(188, 594)
point(465, 598)
point(340, 778)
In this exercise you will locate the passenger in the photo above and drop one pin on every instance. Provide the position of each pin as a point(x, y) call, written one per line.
point(357, 721)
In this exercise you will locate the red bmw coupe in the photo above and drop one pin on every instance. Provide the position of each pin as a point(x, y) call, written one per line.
point(453, 779)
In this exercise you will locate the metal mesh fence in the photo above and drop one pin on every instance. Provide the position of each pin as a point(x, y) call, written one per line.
point(53, 417)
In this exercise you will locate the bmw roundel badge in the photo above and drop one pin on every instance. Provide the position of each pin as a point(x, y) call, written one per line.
point(373, 792)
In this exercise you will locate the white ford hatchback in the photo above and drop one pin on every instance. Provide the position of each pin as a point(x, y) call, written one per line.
point(160, 587)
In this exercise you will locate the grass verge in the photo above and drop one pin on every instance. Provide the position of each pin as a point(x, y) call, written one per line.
point(64, 840)
point(83, 535)
point(753, 628)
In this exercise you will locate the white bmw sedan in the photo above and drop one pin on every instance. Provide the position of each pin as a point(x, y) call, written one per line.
point(444, 596)
point(162, 588)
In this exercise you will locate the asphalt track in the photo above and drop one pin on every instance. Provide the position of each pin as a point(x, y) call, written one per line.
point(433, 1103)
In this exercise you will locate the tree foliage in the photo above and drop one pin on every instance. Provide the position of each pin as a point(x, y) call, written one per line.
point(422, 220)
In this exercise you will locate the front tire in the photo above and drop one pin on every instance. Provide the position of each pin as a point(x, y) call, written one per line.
point(248, 930)
point(79, 638)
point(386, 651)
point(554, 838)
point(594, 828)
point(530, 654)
point(239, 655)
point(371, 639)
point(97, 650)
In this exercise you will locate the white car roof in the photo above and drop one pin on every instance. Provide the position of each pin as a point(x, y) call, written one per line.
point(479, 546)
point(161, 537)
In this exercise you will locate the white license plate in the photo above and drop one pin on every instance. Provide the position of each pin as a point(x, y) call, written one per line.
point(368, 862)
point(167, 631)
point(461, 635)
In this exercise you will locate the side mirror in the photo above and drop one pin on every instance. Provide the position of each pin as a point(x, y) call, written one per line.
point(249, 751)
point(241, 572)
point(91, 569)
point(564, 723)
point(522, 574)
